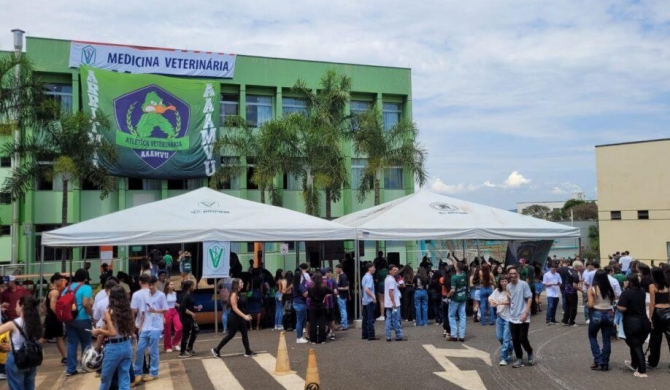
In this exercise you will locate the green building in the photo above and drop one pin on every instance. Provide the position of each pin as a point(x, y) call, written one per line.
point(260, 89)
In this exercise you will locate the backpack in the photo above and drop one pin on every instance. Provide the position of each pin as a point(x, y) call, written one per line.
point(460, 288)
point(66, 305)
point(30, 354)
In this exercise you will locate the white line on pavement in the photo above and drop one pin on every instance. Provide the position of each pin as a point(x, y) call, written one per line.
point(288, 381)
point(216, 371)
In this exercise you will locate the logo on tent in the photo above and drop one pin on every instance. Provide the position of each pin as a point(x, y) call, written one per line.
point(446, 208)
point(208, 207)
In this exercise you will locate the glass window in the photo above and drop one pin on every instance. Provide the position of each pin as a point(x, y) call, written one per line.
point(643, 214)
point(259, 110)
point(293, 182)
point(5, 198)
point(358, 166)
point(293, 105)
point(229, 106)
point(5, 162)
point(356, 108)
point(62, 93)
point(391, 114)
point(393, 178)
point(232, 183)
point(615, 215)
point(5, 230)
point(251, 169)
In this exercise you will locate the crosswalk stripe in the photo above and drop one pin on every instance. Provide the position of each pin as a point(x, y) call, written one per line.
point(179, 378)
point(164, 381)
point(288, 381)
point(216, 369)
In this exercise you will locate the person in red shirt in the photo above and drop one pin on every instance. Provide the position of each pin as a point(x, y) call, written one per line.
point(11, 296)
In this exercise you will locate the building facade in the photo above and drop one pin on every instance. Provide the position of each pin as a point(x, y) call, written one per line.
point(260, 90)
point(634, 199)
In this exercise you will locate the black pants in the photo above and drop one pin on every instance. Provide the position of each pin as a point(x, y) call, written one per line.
point(408, 304)
point(317, 325)
point(520, 338)
point(445, 316)
point(656, 339)
point(235, 324)
point(636, 329)
point(189, 335)
point(289, 319)
point(571, 301)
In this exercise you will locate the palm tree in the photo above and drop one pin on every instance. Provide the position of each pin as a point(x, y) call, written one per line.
point(395, 147)
point(61, 149)
point(20, 94)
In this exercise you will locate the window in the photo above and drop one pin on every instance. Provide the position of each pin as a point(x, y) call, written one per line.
point(357, 108)
point(232, 183)
point(61, 93)
point(293, 106)
point(615, 215)
point(643, 214)
point(259, 110)
point(186, 184)
point(229, 106)
point(5, 230)
point(135, 184)
point(391, 113)
point(251, 169)
point(358, 166)
point(393, 178)
point(5, 162)
point(250, 247)
point(293, 182)
point(42, 184)
point(5, 198)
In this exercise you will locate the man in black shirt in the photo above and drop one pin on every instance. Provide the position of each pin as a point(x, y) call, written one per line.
point(343, 296)
point(563, 271)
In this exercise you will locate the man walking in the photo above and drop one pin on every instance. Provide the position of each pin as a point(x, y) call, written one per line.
point(369, 302)
point(520, 300)
point(458, 297)
point(571, 286)
point(552, 283)
point(342, 296)
point(392, 305)
point(151, 327)
point(79, 330)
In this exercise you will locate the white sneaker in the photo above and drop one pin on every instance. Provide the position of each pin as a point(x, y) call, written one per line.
point(168, 350)
point(3, 376)
point(382, 318)
point(177, 348)
point(587, 322)
point(302, 340)
point(503, 362)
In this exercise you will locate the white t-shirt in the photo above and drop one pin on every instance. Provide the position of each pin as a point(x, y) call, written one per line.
point(171, 300)
point(17, 337)
point(154, 321)
point(100, 295)
point(139, 303)
point(391, 284)
point(587, 279)
point(501, 298)
point(99, 307)
point(625, 262)
point(552, 278)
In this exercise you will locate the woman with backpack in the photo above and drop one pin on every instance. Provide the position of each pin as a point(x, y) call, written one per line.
point(601, 302)
point(53, 329)
point(26, 330)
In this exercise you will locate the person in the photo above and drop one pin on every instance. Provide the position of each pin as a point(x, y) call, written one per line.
point(381, 266)
point(601, 300)
point(421, 281)
point(445, 282)
point(527, 274)
point(53, 329)
point(369, 301)
point(539, 286)
point(255, 301)
point(279, 308)
point(587, 279)
point(124, 282)
point(237, 321)
point(100, 305)
point(162, 280)
point(235, 266)
point(624, 261)
point(520, 298)
point(11, 295)
point(145, 268)
point(458, 297)
point(329, 300)
point(223, 289)
point(475, 291)
point(167, 258)
point(150, 329)
point(552, 283)
point(500, 301)
point(287, 303)
point(317, 295)
point(636, 323)
point(562, 270)
point(408, 307)
point(87, 267)
point(78, 330)
point(187, 309)
point(299, 301)
point(659, 299)
point(487, 282)
point(105, 272)
point(392, 305)
point(570, 286)
point(343, 296)
point(118, 329)
point(172, 321)
point(185, 264)
point(28, 321)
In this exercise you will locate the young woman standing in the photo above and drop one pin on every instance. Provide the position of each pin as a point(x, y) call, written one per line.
point(53, 329)
point(279, 308)
point(475, 291)
point(601, 301)
point(287, 303)
point(659, 300)
point(421, 297)
point(487, 314)
point(500, 300)
point(118, 328)
point(28, 323)
point(636, 324)
point(187, 311)
point(237, 320)
point(408, 313)
point(172, 321)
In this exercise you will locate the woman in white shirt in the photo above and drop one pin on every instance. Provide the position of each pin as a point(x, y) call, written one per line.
point(500, 301)
point(28, 323)
point(171, 320)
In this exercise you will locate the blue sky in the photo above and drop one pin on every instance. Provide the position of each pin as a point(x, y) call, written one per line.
point(511, 96)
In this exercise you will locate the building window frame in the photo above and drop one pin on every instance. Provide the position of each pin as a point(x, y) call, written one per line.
point(643, 214)
point(615, 215)
point(356, 108)
point(258, 110)
point(393, 178)
point(358, 167)
point(62, 93)
point(229, 105)
point(5, 162)
point(292, 105)
point(391, 114)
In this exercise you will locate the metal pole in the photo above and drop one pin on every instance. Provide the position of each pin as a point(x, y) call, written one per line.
point(477, 247)
point(41, 271)
point(216, 307)
point(463, 258)
point(357, 276)
point(18, 48)
point(297, 254)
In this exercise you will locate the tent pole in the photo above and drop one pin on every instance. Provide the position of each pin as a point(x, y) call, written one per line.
point(41, 272)
point(463, 246)
point(478, 255)
point(216, 307)
point(357, 272)
point(297, 254)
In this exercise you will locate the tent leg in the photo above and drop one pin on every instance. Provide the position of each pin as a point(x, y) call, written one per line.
point(579, 247)
point(477, 242)
point(216, 307)
point(357, 273)
point(297, 254)
point(463, 246)
point(41, 272)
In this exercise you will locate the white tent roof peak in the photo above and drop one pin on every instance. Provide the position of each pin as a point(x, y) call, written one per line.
point(427, 215)
point(199, 215)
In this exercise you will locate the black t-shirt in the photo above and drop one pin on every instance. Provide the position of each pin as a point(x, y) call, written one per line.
point(343, 281)
point(564, 272)
point(187, 302)
point(634, 302)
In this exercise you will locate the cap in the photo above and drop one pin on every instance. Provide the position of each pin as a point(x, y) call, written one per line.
point(10, 278)
point(325, 270)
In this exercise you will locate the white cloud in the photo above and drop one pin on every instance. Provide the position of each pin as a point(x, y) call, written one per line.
point(515, 180)
point(557, 191)
point(440, 187)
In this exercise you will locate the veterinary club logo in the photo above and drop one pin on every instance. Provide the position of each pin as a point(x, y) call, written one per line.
point(88, 55)
point(446, 208)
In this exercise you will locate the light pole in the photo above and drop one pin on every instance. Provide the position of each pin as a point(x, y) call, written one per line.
point(18, 49)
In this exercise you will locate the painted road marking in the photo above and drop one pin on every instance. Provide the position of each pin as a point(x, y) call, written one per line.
point(217, 369)
point(288, 381)
point(469, 380)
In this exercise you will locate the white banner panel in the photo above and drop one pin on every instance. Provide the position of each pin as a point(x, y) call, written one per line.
point(135, 59)
point(216, 259)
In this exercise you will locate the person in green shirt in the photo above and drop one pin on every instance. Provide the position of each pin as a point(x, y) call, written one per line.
point(168, 262)
point(527, 274)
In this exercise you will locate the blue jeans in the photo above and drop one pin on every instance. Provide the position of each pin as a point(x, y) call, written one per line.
point(600, 320)
point(19, 379)
point(563, 301)
point(342, 306)
point(552, 305)
point(421, 307)
point(505, 338)
point(587, 309)
point(369, 321)
point(279, 313)
point(393, 323)
point(484, 306)
point(76, 335)
point(224, 318)
point(300, 313)
point(618, 320)
point(148, 339)
point(457, 309)
point(118, 359)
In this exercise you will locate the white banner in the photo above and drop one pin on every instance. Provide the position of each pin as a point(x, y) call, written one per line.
point(216, 262)
point(133, 59)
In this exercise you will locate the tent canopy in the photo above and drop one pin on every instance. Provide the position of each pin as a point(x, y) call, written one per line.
point(431, 216)
point(199, 215)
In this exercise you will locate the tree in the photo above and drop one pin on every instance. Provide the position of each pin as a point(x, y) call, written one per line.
point(21, 94)
point(585, 211)
point(59, 148)
point(570, 204)
point(396, 147)
point(537, 211)
point(556, 215)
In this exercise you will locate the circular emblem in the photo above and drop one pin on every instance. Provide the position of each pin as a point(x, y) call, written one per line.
point(443, 206)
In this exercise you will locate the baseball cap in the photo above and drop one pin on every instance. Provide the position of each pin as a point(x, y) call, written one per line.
point(9, 278)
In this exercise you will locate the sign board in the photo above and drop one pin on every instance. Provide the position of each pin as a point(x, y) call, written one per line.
point(216, 259)
point(284, 248)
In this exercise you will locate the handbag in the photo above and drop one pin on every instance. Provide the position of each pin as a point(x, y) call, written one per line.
point(29, 355)
point(288, 306)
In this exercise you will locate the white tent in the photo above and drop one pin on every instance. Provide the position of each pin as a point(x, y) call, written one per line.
point(199, 215)
point(430, 216)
